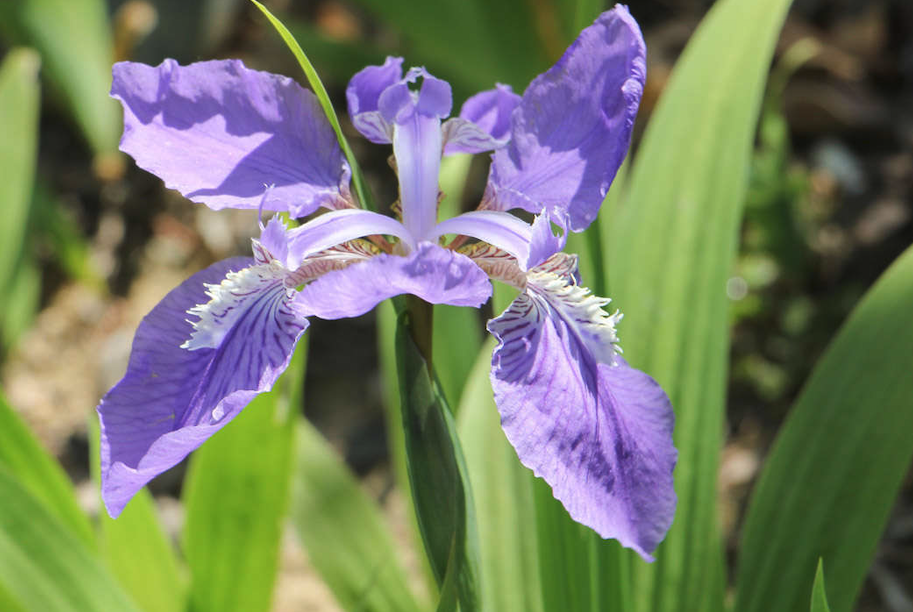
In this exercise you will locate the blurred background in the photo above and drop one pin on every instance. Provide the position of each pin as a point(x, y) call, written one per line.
point(89, 243)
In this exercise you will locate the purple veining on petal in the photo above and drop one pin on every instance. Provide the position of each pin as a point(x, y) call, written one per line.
point(599, 434)
point(572, 128)
point(483, 124)
point(363, 93)
point(434, 274)
point(219, 133)
point(503, 230)
point(171, 399)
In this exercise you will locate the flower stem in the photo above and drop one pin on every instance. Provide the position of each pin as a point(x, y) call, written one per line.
point(422, 327)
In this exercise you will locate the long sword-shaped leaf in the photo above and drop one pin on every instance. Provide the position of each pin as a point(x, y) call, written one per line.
point(137, 548)
point(819, 596)
point(509, 560)
point(671, 246)
point(44, 565)
point(23, 457)
point(832, 476)
point(237, 494)
point(344, 532)
point(437, 475)
point(18, 154)
point(74, 39)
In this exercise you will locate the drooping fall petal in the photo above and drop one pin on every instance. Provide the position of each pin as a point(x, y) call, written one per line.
point(598, 431)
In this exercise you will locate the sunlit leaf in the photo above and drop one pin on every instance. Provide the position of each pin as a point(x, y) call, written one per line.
point(74, 40)
point(671, 246)
point(44, 566)
point(831, 478)
point(137, 549)
point(236, 495)
point(344, 532)
point(503, 499)
point(819, 596)
point(36, 470)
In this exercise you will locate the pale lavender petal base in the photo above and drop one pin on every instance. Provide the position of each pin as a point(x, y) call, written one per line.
point(436, 275)
point(483, 124)
point(220, 133)
point(172, 399)
point(599, 434)
point(572, 128)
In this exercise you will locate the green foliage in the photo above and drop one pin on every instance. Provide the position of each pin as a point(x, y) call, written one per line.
point(343, 531)
point(19, 97)
point(236, 495)
point(137, 548)
point(74, 40)
point(44, 566)
point(832, 476)
point(509, 558)
point(437, 474)
point(23, 457)
point(671, 247)
point(819, 595)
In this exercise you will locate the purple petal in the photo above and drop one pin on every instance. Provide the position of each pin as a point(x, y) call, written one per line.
point(437, 275)
point(363, 93)
point(598, 431)
point(483, 124)
point(173, 399)
point(220, 133)
point(572, 128)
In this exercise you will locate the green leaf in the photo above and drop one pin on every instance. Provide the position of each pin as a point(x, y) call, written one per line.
point(37, 471)
point(18, 154)
point(819, 596)
point(344, 532)
point(509, 560)
point(44, 566)
point(74, 40)
point(236, 496)
point(671, 248)
point(137, 548)
point(830, 481)
point(471, 43)
point(437, 472)
point(361, 190)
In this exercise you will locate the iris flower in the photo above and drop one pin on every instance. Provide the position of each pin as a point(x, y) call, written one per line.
point(598, 431)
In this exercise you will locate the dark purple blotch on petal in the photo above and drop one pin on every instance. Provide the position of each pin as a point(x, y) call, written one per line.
point(572, 128)
point(172, 399)
point(220, 133)
point(599, 434)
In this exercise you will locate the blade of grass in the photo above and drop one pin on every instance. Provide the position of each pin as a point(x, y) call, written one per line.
point(236, 495)
point(830, 481)
point(44, 565)
point(509, 560)
point(74, 40)
point(344, 532)
point(361, 189)
point(671, 247)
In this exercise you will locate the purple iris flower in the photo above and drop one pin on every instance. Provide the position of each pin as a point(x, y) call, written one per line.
point(598, 431)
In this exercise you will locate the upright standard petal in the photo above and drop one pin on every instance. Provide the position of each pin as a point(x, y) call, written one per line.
point(436, 275)
point(172, 399)
point(572, 128)
point(362, 94)
point(483, 124)
point(598, 431)
point(220, 133)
